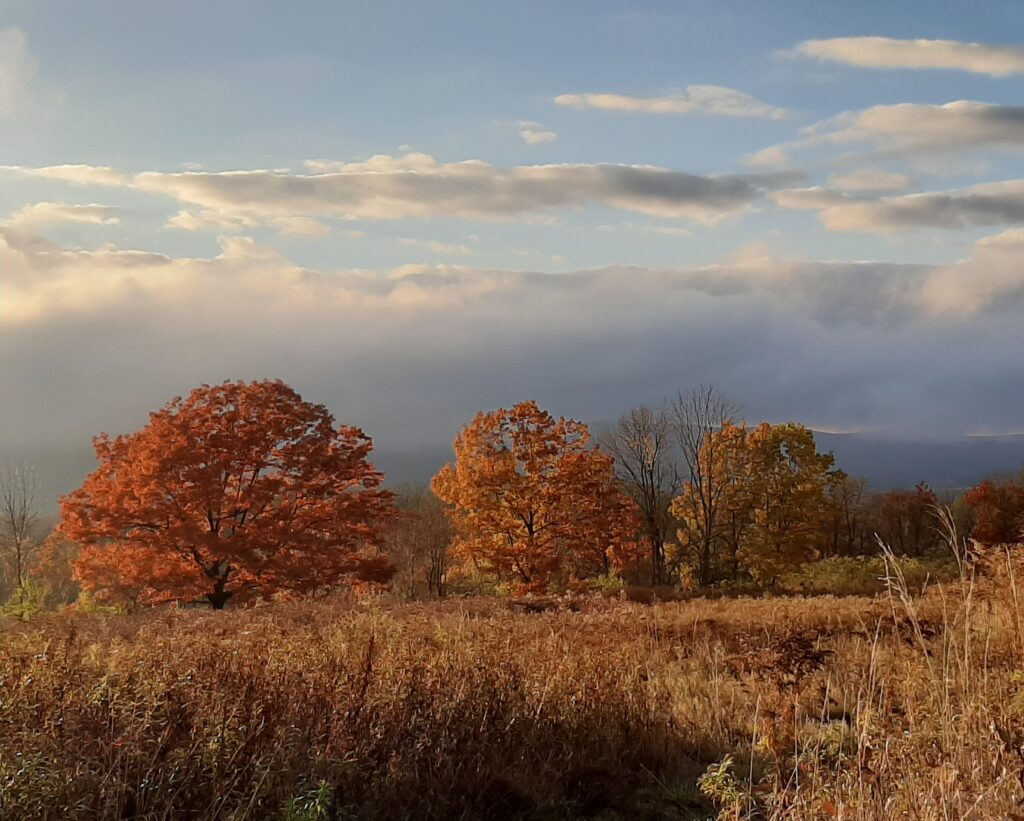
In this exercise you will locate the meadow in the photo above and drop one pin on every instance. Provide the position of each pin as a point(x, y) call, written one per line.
point(908, 704)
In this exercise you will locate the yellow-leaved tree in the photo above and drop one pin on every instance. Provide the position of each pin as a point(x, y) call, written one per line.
point(770, 502)
point(713, 508)
point(787, 488)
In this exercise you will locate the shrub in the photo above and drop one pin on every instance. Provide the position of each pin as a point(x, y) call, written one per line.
point(28, 600)
point(864, 575)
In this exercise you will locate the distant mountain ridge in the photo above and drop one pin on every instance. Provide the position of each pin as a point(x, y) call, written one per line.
point(886, 462)
point(944, 463)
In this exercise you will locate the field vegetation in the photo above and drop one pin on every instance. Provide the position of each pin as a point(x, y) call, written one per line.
point(908, 704)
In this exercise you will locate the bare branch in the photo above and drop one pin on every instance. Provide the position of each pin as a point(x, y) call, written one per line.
point(19, 516)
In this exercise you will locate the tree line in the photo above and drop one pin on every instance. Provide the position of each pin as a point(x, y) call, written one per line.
point(244, 491)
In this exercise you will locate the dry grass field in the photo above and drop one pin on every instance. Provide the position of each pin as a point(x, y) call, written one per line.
point(898, 706)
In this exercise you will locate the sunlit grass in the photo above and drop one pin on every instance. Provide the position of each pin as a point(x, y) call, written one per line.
point(893, 706)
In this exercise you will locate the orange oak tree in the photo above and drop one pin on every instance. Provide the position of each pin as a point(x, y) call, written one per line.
point(237, 491)
point(532, 502)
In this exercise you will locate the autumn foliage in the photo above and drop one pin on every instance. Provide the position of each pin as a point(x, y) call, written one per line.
point(771, 499)
point(532, 502)
point(908, 523)
point(243, 491)
point(237, 491)
point(998, 509)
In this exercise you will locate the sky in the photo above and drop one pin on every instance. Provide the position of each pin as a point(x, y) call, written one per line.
point(412, 211)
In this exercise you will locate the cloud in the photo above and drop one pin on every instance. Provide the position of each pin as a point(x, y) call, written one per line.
point(814, 198)
point(647, 228)
point(17, 68)
point(535, 134)
point(718, 101)
point(439, 248)
point(46, 279)
point(209, 219)
point(960, 124)
point(870, 179)
point(74, 174)
point(32, 217)
point(988, 204)
point(417, 186)
point(411, 354)
point(775, 156)
point(992, 275)
point(888, 53)
point(907, 129)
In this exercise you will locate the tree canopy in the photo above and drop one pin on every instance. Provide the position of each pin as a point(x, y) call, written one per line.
point(531, 501)
point(239, 490)
point(771, 500)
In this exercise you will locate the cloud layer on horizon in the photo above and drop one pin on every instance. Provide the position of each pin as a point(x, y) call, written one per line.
point(845, 343)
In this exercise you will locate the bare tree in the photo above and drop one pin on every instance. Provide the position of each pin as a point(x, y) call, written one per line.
point(417, 541)
point(697, 414)
point(847, 512)
point(641, 442)
point(19, 488)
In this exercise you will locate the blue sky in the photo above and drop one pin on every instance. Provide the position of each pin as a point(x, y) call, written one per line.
point(262, 85)
point(801, 227)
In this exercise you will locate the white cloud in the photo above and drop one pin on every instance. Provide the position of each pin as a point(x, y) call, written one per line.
point(17, 67)
point(886, 52)
point(32, 217)
point(775, 156)
point(209, 219)
point(440, 248)
point(963, 123)
point(418, 186)
point(534, 133)
point(909, 129)
point(814, 198)
point(74, 174)
point(45, 279)
point(647, 228)
point(988, 204)
point(992, 275)
point(869, 179)
point(718, 101)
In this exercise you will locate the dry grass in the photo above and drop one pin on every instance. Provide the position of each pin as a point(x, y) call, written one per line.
point(888, 707)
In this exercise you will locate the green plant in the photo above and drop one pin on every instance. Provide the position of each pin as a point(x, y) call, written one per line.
point(26, 601)
point(865, 575)
point(311, 805)
point(721, 786)
point(86, 603)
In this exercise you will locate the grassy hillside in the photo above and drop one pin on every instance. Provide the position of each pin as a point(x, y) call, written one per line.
point(735, 708)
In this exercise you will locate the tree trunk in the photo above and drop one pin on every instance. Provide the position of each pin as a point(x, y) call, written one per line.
point(657, 561)
point(705, 563)
point(218, 599)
